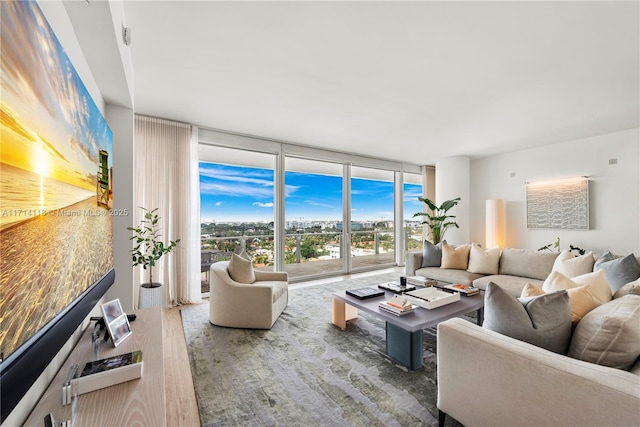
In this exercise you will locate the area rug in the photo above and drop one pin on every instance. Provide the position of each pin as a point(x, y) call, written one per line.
point(305, 371)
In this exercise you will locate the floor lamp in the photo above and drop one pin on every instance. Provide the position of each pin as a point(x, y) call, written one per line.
point(496, 227)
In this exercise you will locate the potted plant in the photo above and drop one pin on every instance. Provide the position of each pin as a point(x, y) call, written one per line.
point(438, 220)
point(148, 249)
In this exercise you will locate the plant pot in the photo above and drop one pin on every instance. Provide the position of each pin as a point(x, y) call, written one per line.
point(151, 295)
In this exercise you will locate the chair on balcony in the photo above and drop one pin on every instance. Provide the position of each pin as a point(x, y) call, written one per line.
point(246, 303)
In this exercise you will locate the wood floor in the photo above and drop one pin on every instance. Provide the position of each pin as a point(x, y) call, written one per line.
point(182, 409)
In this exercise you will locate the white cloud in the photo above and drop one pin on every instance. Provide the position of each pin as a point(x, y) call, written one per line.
point(263, 205)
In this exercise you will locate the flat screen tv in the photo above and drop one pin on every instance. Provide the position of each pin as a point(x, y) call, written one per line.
point(56, 256)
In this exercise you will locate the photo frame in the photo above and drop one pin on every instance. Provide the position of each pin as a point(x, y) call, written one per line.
point(116, 321)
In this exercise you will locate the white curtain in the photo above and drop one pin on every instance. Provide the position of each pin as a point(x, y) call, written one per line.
point(166, 177)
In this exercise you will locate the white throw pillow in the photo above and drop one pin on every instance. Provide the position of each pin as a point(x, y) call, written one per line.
point(241, 268)
point(483, 261)
point(572, 266)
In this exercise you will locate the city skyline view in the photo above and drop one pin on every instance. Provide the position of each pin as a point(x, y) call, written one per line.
point(244, 194)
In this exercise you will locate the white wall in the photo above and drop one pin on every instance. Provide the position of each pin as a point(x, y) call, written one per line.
point(614, 197)
point(121, 122)
point(452, 181)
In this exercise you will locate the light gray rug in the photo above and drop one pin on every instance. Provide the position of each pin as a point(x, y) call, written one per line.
point(305, 371)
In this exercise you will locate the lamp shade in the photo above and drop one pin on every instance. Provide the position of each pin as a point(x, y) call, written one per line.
point(496, 223)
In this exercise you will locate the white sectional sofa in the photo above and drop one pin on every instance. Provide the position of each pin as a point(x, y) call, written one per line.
point(517, 267)
point(487, 378)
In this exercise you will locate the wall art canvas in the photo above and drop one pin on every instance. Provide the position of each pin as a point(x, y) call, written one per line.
point(55, 178)
point(562, 204)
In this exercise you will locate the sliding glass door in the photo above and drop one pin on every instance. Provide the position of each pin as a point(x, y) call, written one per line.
point(372, 242)
point(313, 217)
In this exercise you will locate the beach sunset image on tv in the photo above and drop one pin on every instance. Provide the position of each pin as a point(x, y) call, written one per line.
point(55, 178)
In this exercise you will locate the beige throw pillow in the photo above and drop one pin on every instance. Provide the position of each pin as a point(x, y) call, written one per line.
point(455, 258)
point(596, 284)
point(580, 299)
point(572, 266)
point(241, 268)
point(610, 334)
point(632, 288)
point(483, 261)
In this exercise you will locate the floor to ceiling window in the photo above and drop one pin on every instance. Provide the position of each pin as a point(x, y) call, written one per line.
point(372, 217)
point(236, 208)
point(313, 212)
point(412, 189)
point(309, 212)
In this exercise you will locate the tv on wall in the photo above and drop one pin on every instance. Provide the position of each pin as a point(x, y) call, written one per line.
point(56, 199)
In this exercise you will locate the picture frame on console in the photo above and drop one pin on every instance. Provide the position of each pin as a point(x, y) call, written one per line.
point(116, 321)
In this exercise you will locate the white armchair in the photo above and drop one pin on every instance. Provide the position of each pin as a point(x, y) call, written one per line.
point(254, 305)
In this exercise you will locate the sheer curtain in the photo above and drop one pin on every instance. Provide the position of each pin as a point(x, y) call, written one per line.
point(166, 177)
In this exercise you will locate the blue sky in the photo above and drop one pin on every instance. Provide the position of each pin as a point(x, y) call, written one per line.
point(235, 194)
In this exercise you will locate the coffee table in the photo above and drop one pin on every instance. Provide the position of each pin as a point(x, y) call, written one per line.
point(404, 333)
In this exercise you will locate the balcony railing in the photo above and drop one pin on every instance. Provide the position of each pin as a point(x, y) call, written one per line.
point(306, 254)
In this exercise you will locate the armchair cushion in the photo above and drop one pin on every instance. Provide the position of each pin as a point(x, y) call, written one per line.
point(241, 268)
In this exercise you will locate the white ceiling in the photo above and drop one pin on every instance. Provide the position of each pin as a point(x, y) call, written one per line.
point(408, 81)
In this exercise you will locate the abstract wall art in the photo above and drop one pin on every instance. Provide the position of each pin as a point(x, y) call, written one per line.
point(561, 204)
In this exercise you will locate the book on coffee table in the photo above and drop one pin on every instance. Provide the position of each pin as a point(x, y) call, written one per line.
point(397, 305)
point(365, 293)
point(396, 288)
point(467, 290)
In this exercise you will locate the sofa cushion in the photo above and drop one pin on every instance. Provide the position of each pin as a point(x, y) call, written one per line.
point(432, 254)
point(610, 334)
point(544, 321)
point(241, 268)
point(456, 258)
point(511, 284)
point(526, 263)
point(580, 300)
point(483, 261)
point(632, 288)
point(572, 266)
point(619, 271)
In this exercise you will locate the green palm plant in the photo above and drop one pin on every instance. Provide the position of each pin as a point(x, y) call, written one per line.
point(438, 220)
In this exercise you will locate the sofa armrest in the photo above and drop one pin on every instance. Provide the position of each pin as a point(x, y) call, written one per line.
point(488, 379)
point(413, 261)
point(272, 276)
